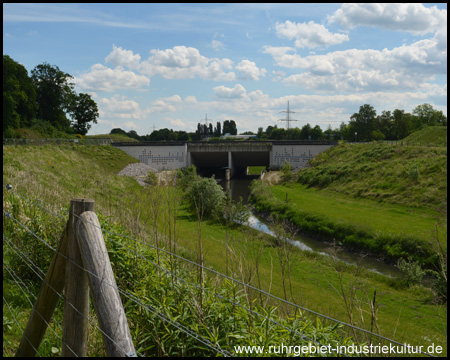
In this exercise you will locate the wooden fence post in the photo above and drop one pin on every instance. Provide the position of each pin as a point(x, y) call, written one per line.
point(104, 292)
point(76, 307)
point(46, 301)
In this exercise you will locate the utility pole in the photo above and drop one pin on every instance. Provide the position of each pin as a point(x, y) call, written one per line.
point(288, 117)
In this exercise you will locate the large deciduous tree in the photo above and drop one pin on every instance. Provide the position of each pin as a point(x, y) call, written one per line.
point(84, 111)
point(54, 94)
point(363, 123)
point(19, 95)
point(429, 116)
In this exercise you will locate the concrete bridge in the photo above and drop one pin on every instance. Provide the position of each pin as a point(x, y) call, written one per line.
point(232, 157)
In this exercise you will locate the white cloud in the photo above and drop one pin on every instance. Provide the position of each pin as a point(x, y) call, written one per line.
point(183, 62)
point(410, 17)
point(282, 56)
point(249, 71)
point(176, 122)
point(130, 125)
point(121, 57)
point(190, 100)
point(309, 35)
point(403, 68)
point(230, 93)
point(102, 78)
point(118, 107)
point(169, 104)
point(217, 45)
point(278, 75)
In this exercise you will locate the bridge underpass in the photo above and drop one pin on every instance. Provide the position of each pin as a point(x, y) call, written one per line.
point(218, 163)
point(228, 160)
point(224, 158)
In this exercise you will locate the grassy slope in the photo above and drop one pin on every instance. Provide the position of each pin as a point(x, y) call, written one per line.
point(56, 174)
point(429, 135)
point(113, 137)
point(406, 175)
point(395, 194)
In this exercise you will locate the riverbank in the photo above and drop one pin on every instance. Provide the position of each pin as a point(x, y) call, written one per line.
point(389, 231)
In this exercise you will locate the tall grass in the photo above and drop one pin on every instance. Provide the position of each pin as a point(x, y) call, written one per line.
point(162, 296)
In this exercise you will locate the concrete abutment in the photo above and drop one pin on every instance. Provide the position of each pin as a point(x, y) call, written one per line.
point(227, 158)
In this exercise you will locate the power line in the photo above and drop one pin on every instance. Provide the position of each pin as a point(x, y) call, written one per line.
point(288, 116)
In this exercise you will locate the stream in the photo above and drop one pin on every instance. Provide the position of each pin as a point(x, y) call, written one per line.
point(237, 188)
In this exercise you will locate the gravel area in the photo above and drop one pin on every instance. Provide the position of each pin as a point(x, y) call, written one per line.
point(137, 170)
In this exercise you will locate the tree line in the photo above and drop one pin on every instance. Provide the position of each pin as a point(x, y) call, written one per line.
point(203, 131)
point(364, 125)
point(45, 101)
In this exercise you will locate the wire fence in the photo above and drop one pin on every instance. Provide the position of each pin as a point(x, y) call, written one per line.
point(169, 270)
point(108, 141)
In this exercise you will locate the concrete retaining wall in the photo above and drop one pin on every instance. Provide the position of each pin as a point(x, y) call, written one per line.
point(296, 155)
point(160, 157)
point(178, 155)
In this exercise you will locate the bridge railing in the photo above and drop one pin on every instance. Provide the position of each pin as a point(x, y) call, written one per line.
point(227, 142)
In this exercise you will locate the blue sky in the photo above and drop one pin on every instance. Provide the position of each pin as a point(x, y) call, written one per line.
point(167, 65)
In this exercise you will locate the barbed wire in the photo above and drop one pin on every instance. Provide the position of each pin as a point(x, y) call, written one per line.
point(18, 325)
point(11, 272)
point(186, 330)
point(127, 294)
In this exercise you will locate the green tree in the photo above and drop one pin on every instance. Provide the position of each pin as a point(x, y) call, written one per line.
point(363, 122)
point(429, 116)
point(402, 125)
point(306, 132)
point(229, 127)
point(118, 131)
point(278, 134)
point(19, 95)
point(84, 111)
point(293, 134)
point(260, 132)
point(316, 133)
point(54, 94)
point(218, 130)
point(133, 134)
point(385, 124)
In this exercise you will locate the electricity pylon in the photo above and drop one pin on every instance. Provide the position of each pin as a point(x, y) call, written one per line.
point(288, 116)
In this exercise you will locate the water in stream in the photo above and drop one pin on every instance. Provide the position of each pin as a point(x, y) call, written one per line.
point(237, 188)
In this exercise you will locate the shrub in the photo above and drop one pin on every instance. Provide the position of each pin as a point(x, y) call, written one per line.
point(286, 172)
point(205, 198)
point(412, 271)
point(186, 176)
point(151, 179)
